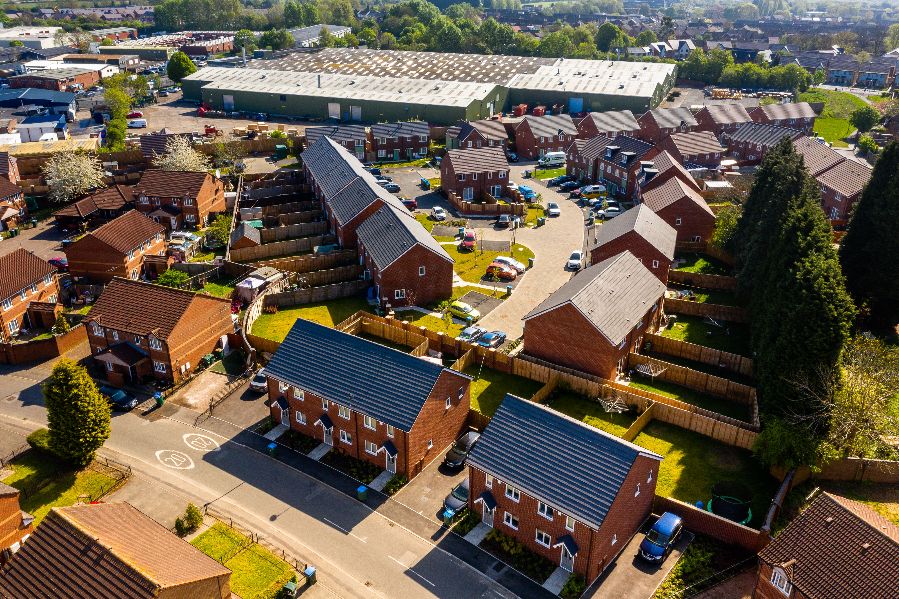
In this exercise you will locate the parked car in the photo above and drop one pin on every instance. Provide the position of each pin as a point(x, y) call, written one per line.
point(410, 203)
point(560, 179)
point(164, 93)
point(464, 311)
point(575, 260)
point(376, 172)
point(259, 383)
point(593, 191)
point(61, 263)
point(391, 187)
point(607, 213)
point(438, 213)
point(382, 178)
point(526, 192)
point(552, 209)
point(458, 497)
point(119, 399)
point(492, 339)
point(501, 271)
point(137, 114)
point(511, 263)
point(471, 334)
point(512, 156)
point(504, 221)
point(660, 539)
point(458, 453)
point(137, 124)
point(468, 240)
point(569, 185)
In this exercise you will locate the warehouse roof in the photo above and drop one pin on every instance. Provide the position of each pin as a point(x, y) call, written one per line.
point(313, 32)
point(390, 232)
point(619, 78)
point(65, 73)
point(477, 160)
point(645, 223)
point(13, 98)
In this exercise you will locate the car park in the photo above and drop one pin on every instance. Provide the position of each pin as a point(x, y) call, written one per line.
point(501, 271)
point(458, 497)
point(469, 241)
point(164, 93)
point(438, 213)
point(471, 334)
point(458, 453)
point(376, 172)
point(137, 114)
point(391, 187)
point(575, 260)
point(119, 399)
point(560, 179)
point(259, 383)
point(503, 221)
point(410, 203)
point(552, 209)
point(382, 178)
point(492, 339)
point(661, 538)
point(511, 263)
point(464, 311)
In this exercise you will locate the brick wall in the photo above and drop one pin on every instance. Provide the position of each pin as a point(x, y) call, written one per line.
point(19, 306)
point(436, 425)
point(700, 521)
point(649, 256)
point(689, 220)
point(529, 146)
point(480, 183)
point(403, 274)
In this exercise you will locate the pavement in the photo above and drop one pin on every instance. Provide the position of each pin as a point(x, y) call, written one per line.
point(629, 577)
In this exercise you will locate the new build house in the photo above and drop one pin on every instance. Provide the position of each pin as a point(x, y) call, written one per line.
point(722, 118)
point(612, 161)
point(751, 141)
point(26, 282)
point(662, 168)
point(117, 249)
point(682, 207)
point(176, 198)
point(486, 133)
point(474, 174)
point(404, 415)
point(537, 135)
point(15, 525)
point(695, 149)
point(641, 232)
point(566, 490)
point(609, 123)
point(352, 137)
point(794, 115)
point(12, 204)
point(100, 206)
point(841, 188)
point(406, 140)
point(662, 122)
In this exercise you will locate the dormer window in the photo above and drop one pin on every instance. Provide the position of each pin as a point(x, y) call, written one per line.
point(781, 582)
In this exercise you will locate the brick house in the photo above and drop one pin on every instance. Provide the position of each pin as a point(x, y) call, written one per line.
point(662, 168)
point(24, 279)
point(841, 188)
point(611, 304)
point(404, 262)
point(139, 331)
point(683, 208)
point(404, 415)
point(9, 165)
point(485, 133)
point(619, 163)
point(699, 148)
point(117, 249)
point(176, 198)
point(582, 156)
point(406, 140)
point(751, 141)
point(110, 550)
point(102, 205)
point(537, 135)
point(609, 124)
point(568, 491)
point(657, 124)
point(352, 137)
point(15, 525)
point(641, 232)
point(471, 174)
point(12, 205)
point(795, 115)
point(835, 548)
point(722, 118)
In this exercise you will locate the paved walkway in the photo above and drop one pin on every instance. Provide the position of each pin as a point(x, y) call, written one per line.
point(380, 481)
point(276, 432)
point(320, 451)
point(557, 580)
point(477, 534)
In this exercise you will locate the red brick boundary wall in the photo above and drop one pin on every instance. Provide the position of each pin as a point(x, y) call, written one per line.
point(42, 349)
point(707, 523)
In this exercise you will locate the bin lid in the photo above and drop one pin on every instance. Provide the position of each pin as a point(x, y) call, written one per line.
point(448, 513)
point(290, 585)
point(309, 571)
point(362, 489)
point(272, 445)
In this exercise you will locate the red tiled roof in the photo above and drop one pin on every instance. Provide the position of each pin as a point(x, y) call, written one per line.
point(109, 198)
point(128, 231)
point(170, 184)
point(8, 189)
point(21, 269)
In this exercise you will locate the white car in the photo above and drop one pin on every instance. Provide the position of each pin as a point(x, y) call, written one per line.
point(259, 382)
point(610, 212)
point(552, 209)
point(137, 123)
point(438, 213)
point(575, 260)
point(511, 263)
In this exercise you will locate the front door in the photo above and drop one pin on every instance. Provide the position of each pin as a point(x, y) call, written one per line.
point(396, 155)
point(567, 561)
point(391, 463)
point(328, 437)
point(174, 222)
point(486, 515)
point(285, 416)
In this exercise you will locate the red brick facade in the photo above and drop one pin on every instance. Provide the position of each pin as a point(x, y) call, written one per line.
point(192, 208)
point(12, 525)
point(472, 186)
point(651, 131)
point(765, 589)
point(404, 283)
point(531, 147)
point(804, 124)
point(399, 148)
point(621, 180)
point(91, 258)
point(82, 80)
point(15, 316)
point(657, 263)
point(692, 223)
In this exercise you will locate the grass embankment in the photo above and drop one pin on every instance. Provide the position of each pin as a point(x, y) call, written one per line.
point(833, 122)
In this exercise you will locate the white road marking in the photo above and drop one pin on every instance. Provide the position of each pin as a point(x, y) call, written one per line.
point(411, 571)
point(201, 442)
point(349, 532)
point(174, 459)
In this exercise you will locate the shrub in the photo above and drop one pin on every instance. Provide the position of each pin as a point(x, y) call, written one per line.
point(395, 484)
point(173, 278)
point(521, 558)
point(61, 326)
point(40, 440)
point(574, 587)
point(189, 522)
point(465, 521)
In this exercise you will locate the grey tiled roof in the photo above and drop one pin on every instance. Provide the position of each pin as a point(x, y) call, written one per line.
point(391, 232)
point(792, 110)
point(488, 128)
point(550, 125)
point(244, 230)
point(401, 129)
point(358, 195)
point(664, 161)
point(816, 156)
point(614, 121)
point(670, 192)
point(477, 160)
point(667, 118)
point(340, 134)
point(591, 149)
point(761, 134)
point(646, 223)
point(696, 142)
point(724, 114)
point(332, 166)
point(367, 377)
point(626, 143)
point(571, 466)
point(613, 295)
point(847, 178)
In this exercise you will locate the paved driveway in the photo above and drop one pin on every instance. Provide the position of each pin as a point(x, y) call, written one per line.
point(629, 577)
point(44, 241)
point(426, 492)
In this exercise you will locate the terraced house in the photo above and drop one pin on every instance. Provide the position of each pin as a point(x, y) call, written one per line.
point(407, 411)
point(795, 115)
point(751, 141)
point(179, 198)
point(695, 149)
point(26, 282)
point(566, 490)
point(354, 138)
point(406, 140)
point(537, 135)
point(662, 122)
point(721, 118)
point(474, 174)
point(609, 123)
point(117, 249)
point(620, 161)
point(485, 133)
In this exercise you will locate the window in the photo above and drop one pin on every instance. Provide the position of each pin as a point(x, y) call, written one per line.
point(282, 98)
point(7, 304)
point(655, 263)
point(544, 510)
point(371, 448)
point(423, 138)
point(513, 493)
point(369, 423)
point(382, 153)
point(154, 342)
point(449, 402)
point(159, 367)
point(13, 325)
point(780, 581)
point(510, 520)
point(325, 405)
point(23, 294)
point(390, 431)
point(461, 392)
point(649, 478)
point(300, 417)
point(677, 221)
point(282, 387)
point(115, 335)
point(143, 200)
point(637, 492)
point(343, 412)
point(502, 174)
point(469, 144)
point(345, 437)
point(191, 218)
point(399, 294)
point(542, 538)
point(131, 255)
point(614, 539)
point(488, 482)
point(474, 176)
point(96, 329)
point(421, 271)
point(461, 177)
point(569, 523)
point(52, 299)
point(299, 394)
point(47, 280)
point(109, 366)
point(430, 443)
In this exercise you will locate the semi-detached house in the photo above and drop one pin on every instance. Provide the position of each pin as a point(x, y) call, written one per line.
point(117, 249)
point(662, 122)
point(682, 207)
point(722, 118)
point(795, 115)
point(641, 232)
point(609, 123)
point(354, 138)
point(375, 403)
point(176, 198)
point(472, 174)
point(406, 140)
point(696, 148)
point(24, 279)
point(485, 133)
point(537, 135)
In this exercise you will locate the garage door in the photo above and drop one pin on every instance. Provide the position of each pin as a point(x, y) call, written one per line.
point(575, 105)
point(333, 110)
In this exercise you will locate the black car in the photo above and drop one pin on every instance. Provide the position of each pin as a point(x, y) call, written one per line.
point(119, 399)
point(458, 453)
point(458, 498)
point(504, 221)
point(375, 171)
point(560, 180)
point(569, 185)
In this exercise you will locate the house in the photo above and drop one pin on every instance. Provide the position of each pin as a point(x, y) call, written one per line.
point(638, 51)
point(817, 156)
point(751, 141)
point(110, 550)
point(619, 162)
point(662, 168)
point(12, 205)
point(611, 304)
point(44, 127)
point(102, 205)
point(403, 417)
point(842, 70)
point(659, 49)
point(9, 168)
point(609, 124)
point(641, 232)
point(176, 198)
point(748, 51)
point(680, 49)
point(682, 207)
point(116, 249)
point(537, 135)
point(835, 548)
point(405, 140)
point(793, 115)
point(15, 525)
point(474, 174)
point(140, 331)
point(722, 118)
point(841, 188)
point(695, 149)
point(566, 490)
point(477, 134)
point(583, 154)
point(245, 235)
point(654, 125)
point(404, 262)
point(352, 137)
point(24, 279)
point(877, 73)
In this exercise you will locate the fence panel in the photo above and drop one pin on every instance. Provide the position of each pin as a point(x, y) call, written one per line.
point(299, 230)
point(303, 264)
point(316, 294)
point(281, 248)
point(700, 353)
point(639, 424)
point(704, 281)
point(696, 380)
point(716, 311)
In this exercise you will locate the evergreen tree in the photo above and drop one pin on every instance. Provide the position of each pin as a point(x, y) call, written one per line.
point(869, 249)
point(77, 415)
point(180, 66)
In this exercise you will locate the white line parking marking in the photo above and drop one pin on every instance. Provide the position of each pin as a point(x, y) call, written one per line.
point(201, 442)
point(339, 527)
point(174, 459)
point(411, 571)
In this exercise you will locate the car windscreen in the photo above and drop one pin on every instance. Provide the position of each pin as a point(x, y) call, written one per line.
point(657, 537)
point(460, 493)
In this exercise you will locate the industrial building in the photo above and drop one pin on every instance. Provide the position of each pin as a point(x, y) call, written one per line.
point(30, 37)
point(379, 85)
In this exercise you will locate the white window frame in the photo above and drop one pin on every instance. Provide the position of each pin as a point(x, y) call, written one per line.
point(390, 430)
point(325, 405)
point(512, 493)
point(47, 280)
point(371, 448)
point(510, 520)
point(346, 437)
point(188, 201)
point(637, 492)
point(488, 481)
point(399, 294)
point(154, 343)
point(283, 387)
point(7, 304)
point(614, 539)
point(300, 417)
point(343, 412)
point(430, 443)
point(542, 538)
point(115, 335)
point(382, 153)
point(299, 394)
point(13, 325)
point(502, 174)
point(655, 263)
point(678, 221)
point(780, 581)
point(449, 402)
point(649, 478)
point(569, 523)
point(159, 367)
point(421, 271)
point(545, 511)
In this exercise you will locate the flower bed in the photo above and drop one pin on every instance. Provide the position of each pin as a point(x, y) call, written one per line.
point(363, 471)
point(518, 556)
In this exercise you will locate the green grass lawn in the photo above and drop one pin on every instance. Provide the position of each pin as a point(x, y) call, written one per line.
point(705, 265)
point(733, 338)
point(837, 104)
point(700, 400)
point(218, 288)
point(202, 257)
point(471, 265)
point(491, 386)
point(694, 463)
point(548, 173)
point(833, 130)
point(83, 309)
point(500, 293)
point(426, 221)
point(709, 296)
point(707, 368)
point(533, 214)
point(276, 326)
point(233, 364)
point(66, 487)
point(432, 322)
point(256, 572)
point(592, 413)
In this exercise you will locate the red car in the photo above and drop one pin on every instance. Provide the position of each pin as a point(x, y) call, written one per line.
point(501, 271)
point(468, 240)
point(137, 114)
point(410, 203)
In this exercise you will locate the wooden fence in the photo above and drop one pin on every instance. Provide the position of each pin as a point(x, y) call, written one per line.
point(696, 380)
point(708, 249)
point(547, 388)
point(293, 218)
point(261, 344)
point(304, 264)
point(703, 281)
point(42, 349)
point(700, 353)
point(700, 521)
point(296, 231)
point(471, 208)
point(853, 469)
point(702, 309)
point(640, 423)
point(280, 248)
point(316, 294)
point(329, 276)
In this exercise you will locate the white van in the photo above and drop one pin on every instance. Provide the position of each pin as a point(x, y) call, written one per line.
point(552, 160)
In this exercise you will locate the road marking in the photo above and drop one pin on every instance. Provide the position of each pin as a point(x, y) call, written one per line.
point(345, 531)
point(411, 571)
point(174, 459)
point(201, 442)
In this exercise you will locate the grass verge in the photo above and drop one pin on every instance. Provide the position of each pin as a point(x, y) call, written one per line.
point(470, 266)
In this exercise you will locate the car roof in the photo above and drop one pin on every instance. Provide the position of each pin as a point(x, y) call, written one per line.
point(666, 523)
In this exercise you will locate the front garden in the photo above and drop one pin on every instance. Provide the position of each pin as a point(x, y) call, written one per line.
point(471, 265)
point(703, 559)
point(363, 471)
point(514, 553)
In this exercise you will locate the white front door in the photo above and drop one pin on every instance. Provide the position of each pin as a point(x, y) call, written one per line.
point(285, 416)
point(567, 561)
point(174, 222)
point(391, 463)
point(486, 515)
point(328, 437)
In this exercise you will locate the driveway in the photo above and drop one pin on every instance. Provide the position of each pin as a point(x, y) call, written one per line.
point(44, 241)
point(629, 577)
point(425, 493)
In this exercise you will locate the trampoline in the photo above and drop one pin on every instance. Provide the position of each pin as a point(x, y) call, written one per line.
point(731, 499)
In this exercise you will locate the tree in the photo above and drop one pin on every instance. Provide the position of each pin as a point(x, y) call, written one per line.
point(61, 326)
point(609, 36)
point(891, 41)
point(116, 132)
point(106, 42)
point(864, 118)
point(220, 229)
point(785, 444)
point(173, 278)
point(181, 156)
point(867, 144)
point(276, 39)
point(180, 66)
point(646, 37)
point(819, 77)
point(16, 44)
point(555, 45)
point(872, 278)
point(118, 101)
point(77, 415)
point(498, 37)
point(70, 174)
point(726, 227)
point(245, 39)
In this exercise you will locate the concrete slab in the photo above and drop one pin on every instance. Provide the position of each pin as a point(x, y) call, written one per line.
point(630, 577)
point(380, 481)
point(477, 534)
point(197, 393)
point(320, 451)
point(556, 580)
point(276, 432)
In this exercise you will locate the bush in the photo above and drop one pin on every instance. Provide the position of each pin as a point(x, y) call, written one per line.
point(395, 484)
point(521, 558)
point(40, 440)
point(173, 278)
point(574, 587)
point(465, 521)
point(189, 522)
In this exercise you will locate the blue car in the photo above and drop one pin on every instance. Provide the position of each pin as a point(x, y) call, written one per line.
point(492, 339)
point(658, 542)
point(526, 192)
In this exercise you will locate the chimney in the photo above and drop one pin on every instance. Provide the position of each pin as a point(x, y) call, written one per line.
point(649, 174)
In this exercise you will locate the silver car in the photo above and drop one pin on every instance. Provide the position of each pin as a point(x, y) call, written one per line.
point(259, 383)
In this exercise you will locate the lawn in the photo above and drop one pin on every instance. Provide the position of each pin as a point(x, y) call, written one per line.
point(256, 572)
point(833, 122)
point(426, 221)
point(218, 288)
point(458, 292)
point(592, 413)
point(694, 463)
point(83, 309)
point(708, 296)
point(723, 373)
point(548, 173)
point(833, 130)
point(65, 487)
point(276, 326)
point(705, 265)
point(432, 322)
point(533, 214)
point(700, 400)
point(489, 387)
point(471, 265)
point(202, 257)
point(733, 338)
point(233, 364)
